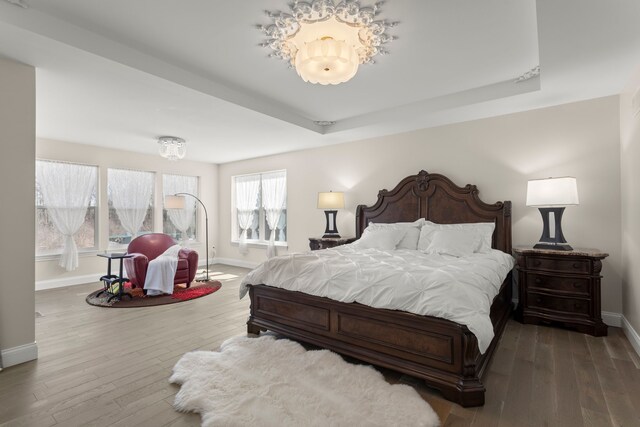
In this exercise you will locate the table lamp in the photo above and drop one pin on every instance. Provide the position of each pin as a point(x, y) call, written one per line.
point(550, 196)
point(330, 202)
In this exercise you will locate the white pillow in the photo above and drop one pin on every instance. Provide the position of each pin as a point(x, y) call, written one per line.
point(482, 229)
point(458, 243)
point(411, 232)
point(385, 239)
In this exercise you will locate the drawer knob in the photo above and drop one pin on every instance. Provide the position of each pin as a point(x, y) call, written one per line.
point(577, 285)
point(538, 300)
point(577, 306)
point(576, 265)
point(537, 262)
point(538, 280)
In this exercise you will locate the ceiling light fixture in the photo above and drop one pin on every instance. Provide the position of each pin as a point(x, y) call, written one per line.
point(326, 42)
point(172, 147)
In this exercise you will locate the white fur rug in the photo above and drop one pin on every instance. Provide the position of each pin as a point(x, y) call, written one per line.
point(268, 382)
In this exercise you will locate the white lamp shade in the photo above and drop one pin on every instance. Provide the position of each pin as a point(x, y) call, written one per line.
point(562, 191)
point(327, 61)
point(331, 200)
point(174, 202)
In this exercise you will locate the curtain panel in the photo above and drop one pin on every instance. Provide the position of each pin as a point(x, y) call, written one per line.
point(247, 189)
point(66, 192)
point(130, 193)
point(274, 196)
point(181, 219)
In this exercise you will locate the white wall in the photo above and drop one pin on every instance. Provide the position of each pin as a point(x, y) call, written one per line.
point(498, 154)
point(49, 274)
point(17, 186)
point(630, 180)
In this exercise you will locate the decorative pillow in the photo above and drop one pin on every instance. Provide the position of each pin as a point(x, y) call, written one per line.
point(411, 232)
point(457, 243)
point(385, 239)
point(484, 230)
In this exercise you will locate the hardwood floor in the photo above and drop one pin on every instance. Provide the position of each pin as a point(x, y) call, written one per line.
point(103, 367)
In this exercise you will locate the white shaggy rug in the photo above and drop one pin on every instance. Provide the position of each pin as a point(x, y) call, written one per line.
point(268, 382)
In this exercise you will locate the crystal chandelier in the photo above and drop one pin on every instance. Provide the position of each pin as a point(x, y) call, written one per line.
point(326, 42)
point(172, 148)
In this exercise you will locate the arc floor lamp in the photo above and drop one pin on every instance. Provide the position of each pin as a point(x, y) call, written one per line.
point(177, 201)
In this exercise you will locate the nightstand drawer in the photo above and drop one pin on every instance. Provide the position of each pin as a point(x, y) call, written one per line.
point(578, 266)
point(568, 285)
point(558, 304)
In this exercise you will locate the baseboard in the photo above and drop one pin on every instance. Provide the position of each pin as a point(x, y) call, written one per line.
point(236, 262)
point(68, 281)
point(94, 278)
point(632, 334)
point(612, 319)
point(16, 355)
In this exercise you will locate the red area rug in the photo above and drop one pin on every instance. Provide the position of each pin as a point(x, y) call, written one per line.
point(138, 299)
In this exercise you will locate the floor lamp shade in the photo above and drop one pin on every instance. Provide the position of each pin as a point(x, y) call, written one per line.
point(174, 202)
point(551, 196)
point(331, 202)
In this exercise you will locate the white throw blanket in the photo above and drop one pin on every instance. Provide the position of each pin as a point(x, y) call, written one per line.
point(161, 272)
point(457, 289)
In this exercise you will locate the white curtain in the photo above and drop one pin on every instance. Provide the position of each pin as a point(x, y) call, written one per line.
point(181, 219)
point(66, 192)
point(247, 188)
point(274, 196)
point(130, 193)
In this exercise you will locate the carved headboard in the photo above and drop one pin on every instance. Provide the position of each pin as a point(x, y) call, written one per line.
point(436, 198)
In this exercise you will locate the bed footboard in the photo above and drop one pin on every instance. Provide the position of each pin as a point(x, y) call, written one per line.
point(443, 353)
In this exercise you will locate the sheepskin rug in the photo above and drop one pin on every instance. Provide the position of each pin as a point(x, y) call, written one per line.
point(276, 382)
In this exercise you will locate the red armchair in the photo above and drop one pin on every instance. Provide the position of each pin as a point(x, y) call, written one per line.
point(147, 247)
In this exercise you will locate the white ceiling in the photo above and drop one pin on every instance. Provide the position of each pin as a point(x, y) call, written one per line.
point(121, 73)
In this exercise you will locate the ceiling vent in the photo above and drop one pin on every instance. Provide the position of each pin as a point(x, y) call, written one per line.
point(324, 122)
point(18, 3)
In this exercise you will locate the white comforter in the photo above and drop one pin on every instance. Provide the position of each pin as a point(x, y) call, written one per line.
point(457, 289)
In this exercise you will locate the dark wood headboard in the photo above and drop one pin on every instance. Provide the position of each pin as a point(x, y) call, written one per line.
point(436, 198)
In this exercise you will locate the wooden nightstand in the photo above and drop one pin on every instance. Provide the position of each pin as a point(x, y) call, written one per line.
point(562, 287)
point(316, 243)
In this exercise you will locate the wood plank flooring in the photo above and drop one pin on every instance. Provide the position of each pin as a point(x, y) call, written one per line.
point(109, 367)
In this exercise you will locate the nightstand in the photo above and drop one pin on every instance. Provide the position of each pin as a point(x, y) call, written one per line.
point(316, 243)
point(561, 287)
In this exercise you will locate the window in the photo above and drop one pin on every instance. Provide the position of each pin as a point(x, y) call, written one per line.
point(130, 194)
point(58, 186)
point(259, 200)
point(181, 224)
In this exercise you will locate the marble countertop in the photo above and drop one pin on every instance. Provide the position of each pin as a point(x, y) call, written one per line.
point(575, 252)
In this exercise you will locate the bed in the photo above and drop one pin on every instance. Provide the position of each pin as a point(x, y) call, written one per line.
point(442, 352)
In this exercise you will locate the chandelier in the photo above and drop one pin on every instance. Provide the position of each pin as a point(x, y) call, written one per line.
point(326, 42)
point(172, 148)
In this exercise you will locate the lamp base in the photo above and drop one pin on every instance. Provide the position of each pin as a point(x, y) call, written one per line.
point(552, 237)
point(551, 246)
point(331, 229)
point(331, 236)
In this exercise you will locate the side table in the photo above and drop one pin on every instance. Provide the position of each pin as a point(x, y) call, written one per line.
point(316, 243)
point(110, 279)
point(561, 287)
